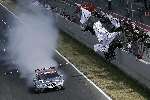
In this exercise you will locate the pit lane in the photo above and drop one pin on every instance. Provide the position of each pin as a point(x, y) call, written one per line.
point(13, 87)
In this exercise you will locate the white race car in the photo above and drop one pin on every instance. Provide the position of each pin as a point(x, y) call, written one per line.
point(47, 79)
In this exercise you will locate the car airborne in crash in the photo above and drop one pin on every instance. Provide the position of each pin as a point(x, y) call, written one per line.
point(47, 79)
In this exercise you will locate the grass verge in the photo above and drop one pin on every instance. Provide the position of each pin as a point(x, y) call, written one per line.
point(107, 76)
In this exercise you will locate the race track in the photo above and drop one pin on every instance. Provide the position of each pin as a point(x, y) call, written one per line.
point(13, 87)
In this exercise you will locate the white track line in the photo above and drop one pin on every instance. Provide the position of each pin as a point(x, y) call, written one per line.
point(101, 91)
point(68, 62)
point(8, 10)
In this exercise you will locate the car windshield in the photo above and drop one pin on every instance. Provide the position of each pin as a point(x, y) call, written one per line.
point(48, 75)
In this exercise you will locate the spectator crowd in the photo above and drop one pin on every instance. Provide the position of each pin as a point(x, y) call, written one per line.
point(111, 32)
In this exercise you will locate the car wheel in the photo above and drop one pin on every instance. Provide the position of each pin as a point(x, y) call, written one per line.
point(60, 87)
point(42, 90)
point(37, 90)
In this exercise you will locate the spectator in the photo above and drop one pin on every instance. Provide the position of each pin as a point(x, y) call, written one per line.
point(109, 4)
point(140, 14)
point(145, 4)
point(128, 12)
point(122, 2)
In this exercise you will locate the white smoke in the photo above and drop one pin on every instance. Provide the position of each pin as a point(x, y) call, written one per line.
point(32, 43)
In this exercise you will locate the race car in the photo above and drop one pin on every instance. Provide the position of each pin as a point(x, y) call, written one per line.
point(47, 78)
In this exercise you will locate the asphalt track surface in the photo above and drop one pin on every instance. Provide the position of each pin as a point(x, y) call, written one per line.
point(13, 87)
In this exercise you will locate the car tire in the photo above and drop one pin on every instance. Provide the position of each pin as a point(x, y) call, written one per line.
point(42, 90)
point(36, 90)
point(60, 87)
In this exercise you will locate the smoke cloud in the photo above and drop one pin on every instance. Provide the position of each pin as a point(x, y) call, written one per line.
point(32, 43)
